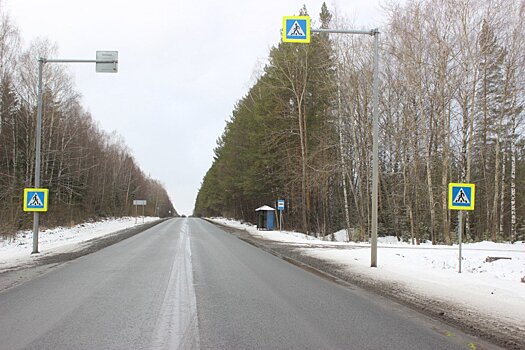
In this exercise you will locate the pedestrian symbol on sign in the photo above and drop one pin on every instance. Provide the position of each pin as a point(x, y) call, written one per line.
point(296, 30)
point(35, 201)
point(461, 197)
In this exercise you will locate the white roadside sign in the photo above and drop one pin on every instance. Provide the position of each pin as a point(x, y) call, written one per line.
point(109, 62)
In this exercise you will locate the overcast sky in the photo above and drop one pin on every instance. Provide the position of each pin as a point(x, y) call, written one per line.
point(182, 67)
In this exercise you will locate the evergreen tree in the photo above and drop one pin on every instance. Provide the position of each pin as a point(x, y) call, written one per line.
point(280, 140)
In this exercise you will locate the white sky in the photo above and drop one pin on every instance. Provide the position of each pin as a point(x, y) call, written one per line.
point(182, 67)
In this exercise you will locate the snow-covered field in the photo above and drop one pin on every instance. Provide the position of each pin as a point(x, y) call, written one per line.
point(60, 239)
point(493, 288)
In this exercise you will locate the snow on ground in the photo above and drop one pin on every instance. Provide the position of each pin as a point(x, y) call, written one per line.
point(17, 251)
point(493, 288)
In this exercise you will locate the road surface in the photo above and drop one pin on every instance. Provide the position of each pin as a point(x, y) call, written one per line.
point(186, 284)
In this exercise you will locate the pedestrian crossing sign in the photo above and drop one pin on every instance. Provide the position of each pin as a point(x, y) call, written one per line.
point(296, 29)
point(35, 199)
point(461, 196)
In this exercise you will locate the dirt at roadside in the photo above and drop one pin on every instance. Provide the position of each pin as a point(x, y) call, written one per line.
point(496, 331)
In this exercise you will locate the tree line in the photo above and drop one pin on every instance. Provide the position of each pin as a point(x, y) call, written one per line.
point(89, 173)
point(452, 100)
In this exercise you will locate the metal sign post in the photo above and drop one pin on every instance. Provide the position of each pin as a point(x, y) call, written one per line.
point(38, 143)
point(460, 236)
point(461, 197)
point(38, 136)
point(280, 207)
point(142, 203)
point(288, 37)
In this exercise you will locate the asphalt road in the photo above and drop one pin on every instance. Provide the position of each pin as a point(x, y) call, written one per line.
point(186, 284)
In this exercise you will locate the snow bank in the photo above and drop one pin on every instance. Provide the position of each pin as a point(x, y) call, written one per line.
point(59, 239)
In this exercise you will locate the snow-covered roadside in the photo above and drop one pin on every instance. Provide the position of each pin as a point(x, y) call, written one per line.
point(60, 239)
point(492, 288)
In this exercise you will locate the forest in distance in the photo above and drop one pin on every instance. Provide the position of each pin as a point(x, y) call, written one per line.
point(90, 174)
point(452, 98)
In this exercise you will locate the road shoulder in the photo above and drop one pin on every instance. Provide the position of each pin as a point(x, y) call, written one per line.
point(482, 325)
point(39, 264)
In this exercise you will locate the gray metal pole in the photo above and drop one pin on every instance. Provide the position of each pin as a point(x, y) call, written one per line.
point(375, 131)
point(345, 31)
point(51, 60)
point(460, 235)
point(38, 143)
point(375, 152)
point(38, 137)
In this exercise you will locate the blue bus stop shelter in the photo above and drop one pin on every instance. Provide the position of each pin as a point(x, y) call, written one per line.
point(265, 218)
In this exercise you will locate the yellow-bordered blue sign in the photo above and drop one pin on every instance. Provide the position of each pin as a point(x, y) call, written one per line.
point(461, 196)
point(296, 29)
point(35, 199)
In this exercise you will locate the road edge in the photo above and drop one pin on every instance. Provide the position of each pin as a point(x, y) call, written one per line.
point(17, 275)
point(475, 324)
